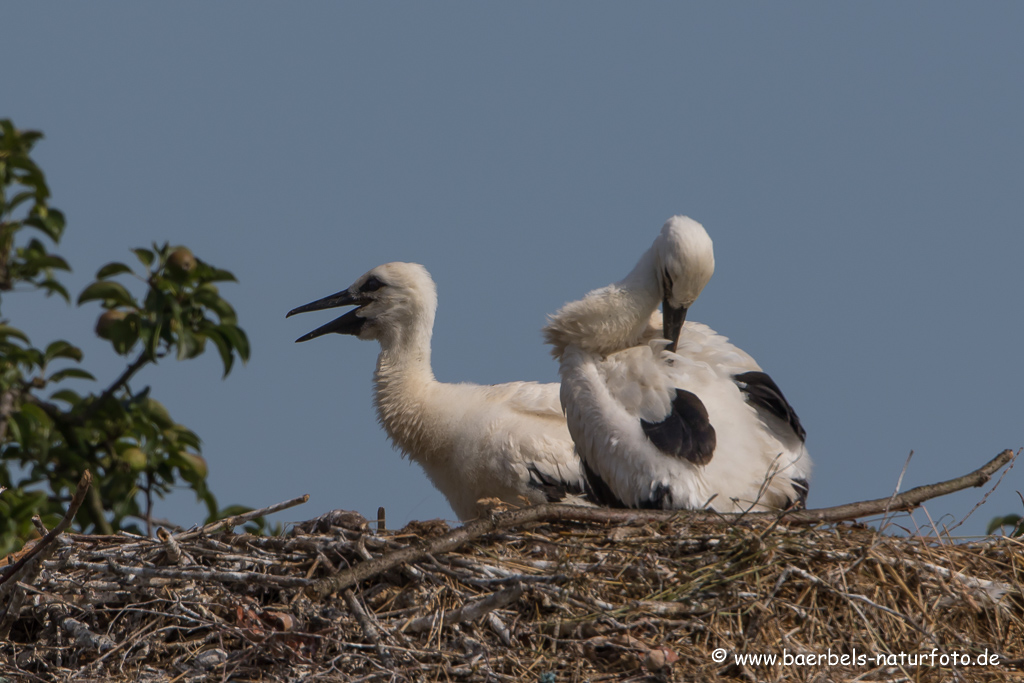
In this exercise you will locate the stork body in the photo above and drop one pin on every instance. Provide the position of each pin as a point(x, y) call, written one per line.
point(687, 421)
point(506, 441)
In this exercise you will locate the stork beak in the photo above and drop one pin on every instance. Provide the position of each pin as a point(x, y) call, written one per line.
point(673, 318)
point(350, 323)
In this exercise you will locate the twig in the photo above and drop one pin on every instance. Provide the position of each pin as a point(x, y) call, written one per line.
point(556, 513)
point(985, 497)
point(86, 638)
point(905, 501)
point(230, 522)
point(190, 574)
point(896, 491)
point(25, 570)
point(469, 612)
point(171, 546)
point(47, 543)
point(121, 381)
point(366, 623)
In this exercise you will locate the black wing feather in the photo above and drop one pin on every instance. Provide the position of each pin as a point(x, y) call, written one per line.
point(763, 392)
point(802, 489)
point(555, 490)
point(686, 432)
point(598, 492)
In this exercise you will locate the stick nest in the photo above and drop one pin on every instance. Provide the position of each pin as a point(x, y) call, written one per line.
point(544, 601)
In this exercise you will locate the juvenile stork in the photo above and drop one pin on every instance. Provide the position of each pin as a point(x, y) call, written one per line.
point(506, 441)
point(688, 421)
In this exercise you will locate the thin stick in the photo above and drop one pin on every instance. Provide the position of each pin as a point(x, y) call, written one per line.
point(230, 522)
point(469, 612)
point(366, 623)
point(46, 543)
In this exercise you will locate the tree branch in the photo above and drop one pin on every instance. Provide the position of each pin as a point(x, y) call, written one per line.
point(555, 513)
point(7, 403)
point(44, 546)
point(121, 381)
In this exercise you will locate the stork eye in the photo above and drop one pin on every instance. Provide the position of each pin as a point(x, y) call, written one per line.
point(371, 285)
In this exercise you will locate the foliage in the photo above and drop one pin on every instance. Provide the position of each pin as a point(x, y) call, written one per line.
point(1015, 524)
point(50, 433)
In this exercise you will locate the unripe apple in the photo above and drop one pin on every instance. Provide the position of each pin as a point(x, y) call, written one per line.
point(181, 260)
point(107, 321)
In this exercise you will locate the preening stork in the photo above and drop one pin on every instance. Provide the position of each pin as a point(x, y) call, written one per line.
point(688, 421)
point(506, 441)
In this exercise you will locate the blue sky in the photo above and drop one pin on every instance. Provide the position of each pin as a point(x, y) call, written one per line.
point(858, 165)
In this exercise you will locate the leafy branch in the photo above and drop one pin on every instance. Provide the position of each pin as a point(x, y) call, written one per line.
point(51, 435)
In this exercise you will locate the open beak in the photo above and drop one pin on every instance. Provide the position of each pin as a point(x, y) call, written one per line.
point(350, 323)
point(673, 319)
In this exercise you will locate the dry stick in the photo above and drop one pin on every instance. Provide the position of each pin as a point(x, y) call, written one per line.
point(171, 546)
point(191, 573)
point(47, 543)
point(469, 612)
point(557, 513)
point(231, 522)
point(369, 630)
point(31, 563)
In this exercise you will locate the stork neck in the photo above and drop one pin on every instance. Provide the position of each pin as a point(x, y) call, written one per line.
point(632, 300)
point(404, 397)
point(404, 361)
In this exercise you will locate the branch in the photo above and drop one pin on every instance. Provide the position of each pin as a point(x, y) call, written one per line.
point(118, 383)
point(906, 501)
point(556, 513)
point(469, 612)
point(7, 402)
point(46, 545)
point(231, 522)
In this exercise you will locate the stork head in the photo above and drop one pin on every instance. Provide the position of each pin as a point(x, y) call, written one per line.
point(685, 259)
point(391, 300)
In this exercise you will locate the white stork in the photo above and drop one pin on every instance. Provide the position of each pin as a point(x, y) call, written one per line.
point(506, 441)
point(688, 421)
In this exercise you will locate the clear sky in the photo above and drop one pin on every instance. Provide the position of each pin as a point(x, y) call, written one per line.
point(859, 166)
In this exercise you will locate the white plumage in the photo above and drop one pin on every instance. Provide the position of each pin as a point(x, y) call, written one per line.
point(665, 425)
point(506, 441)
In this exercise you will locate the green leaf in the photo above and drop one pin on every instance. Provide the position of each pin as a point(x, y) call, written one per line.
point(208, 296)
point(72, 398)
point(50, 261)
point(20, 198)
point(35, 413)
point(53, 287)
point(112, 269)
point(51, 224)
point(223, 347)
point(62, 349)
point(218, 275)
point(108, 292)
point(237, 338)
point(145, 256)
point(999, 522)
point(189, 344)
point(8, 331)
point(66, 373)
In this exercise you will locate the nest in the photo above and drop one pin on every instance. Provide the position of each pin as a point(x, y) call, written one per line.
point(647, 599)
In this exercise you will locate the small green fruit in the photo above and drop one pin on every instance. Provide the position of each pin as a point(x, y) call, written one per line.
point(107, 322)
point(196, 463)
point(135, 458)
point(181, 260)
point(159, 413)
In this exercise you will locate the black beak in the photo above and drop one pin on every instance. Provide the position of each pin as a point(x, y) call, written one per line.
point(672, 321)
point(350, 323)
